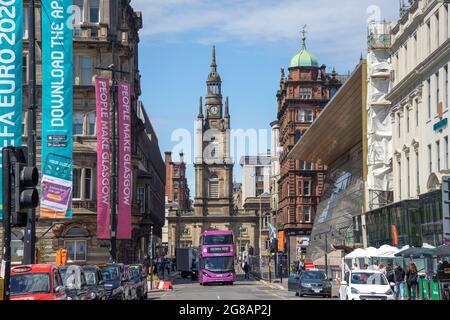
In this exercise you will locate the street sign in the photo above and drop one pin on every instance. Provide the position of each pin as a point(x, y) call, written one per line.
point(309, 265)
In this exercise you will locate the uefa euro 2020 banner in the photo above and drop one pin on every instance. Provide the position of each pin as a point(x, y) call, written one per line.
point(57, 105)
point(11, 43)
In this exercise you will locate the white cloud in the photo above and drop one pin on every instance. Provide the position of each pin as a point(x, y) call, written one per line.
point(253, 21)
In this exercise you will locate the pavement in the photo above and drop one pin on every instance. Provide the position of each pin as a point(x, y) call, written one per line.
point(243, 289)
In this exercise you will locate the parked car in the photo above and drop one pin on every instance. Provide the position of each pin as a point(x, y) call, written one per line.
point(95, 282)
point(365, 285)
point(36, 282)
point(117, 281)
point(74, 281)
point(313, 282)
point(293, 281)
point(140, 280)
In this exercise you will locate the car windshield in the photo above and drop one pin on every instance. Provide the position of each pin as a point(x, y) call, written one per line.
point(218, 239)
point(136, 273)
point(71, 277)
point(110, 273)
point(218, 264)
point(368, 278)
point(313, 276)
point(31, 283)
point(90, 277)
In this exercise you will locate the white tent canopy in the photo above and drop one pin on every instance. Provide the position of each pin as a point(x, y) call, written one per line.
point(385, 251)
point(357, 253)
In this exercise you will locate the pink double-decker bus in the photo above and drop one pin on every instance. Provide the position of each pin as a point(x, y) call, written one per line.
point(217, 257)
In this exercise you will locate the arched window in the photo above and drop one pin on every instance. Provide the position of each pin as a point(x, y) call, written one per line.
point(75, 241)
point(214, 186)
point(16, 245)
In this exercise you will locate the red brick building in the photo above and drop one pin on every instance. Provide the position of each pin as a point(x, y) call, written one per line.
point(177, 189)
point(302, 96)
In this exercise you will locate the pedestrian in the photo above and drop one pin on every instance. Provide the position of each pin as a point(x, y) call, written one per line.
point(174, 264)
point(412, 281)
point(246, 270)
point(399, 279)
point(381, 268)
point(366, 266)
point(355, 266)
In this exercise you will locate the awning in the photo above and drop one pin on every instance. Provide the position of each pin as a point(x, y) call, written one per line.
point(339, 126)
point(415, 252)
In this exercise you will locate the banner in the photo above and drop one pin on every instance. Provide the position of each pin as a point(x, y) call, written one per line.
point(103, 101)
point(57, 105)
point(11, 43)
point(125, 170)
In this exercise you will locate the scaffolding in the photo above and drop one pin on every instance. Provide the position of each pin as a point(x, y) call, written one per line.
point(379, 127)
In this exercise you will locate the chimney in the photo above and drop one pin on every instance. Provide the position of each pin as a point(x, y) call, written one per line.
point(168, 157)
point(181, 157)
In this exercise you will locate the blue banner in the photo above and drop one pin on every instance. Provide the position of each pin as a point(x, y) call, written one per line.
point(57, 105)
point(11, 43)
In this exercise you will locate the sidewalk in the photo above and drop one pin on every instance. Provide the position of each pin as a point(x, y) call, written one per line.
point(171, 277)
point(275, 283)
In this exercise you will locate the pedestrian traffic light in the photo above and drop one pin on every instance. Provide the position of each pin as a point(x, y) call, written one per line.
point(24, 194)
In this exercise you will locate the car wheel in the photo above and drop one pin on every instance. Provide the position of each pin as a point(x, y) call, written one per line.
point(300, 293)
point(296, 294)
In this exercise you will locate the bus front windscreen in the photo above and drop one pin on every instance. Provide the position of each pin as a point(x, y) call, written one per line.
point(218, 239)
point(218, 264)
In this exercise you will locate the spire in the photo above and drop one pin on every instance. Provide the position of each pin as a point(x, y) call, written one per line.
point(304, 37)
point(213, 62)
point(227, 111)
point(200, 109)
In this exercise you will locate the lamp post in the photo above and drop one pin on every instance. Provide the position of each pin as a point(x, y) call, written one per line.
point(261, 196)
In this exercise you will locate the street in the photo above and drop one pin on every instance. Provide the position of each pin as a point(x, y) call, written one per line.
point(185, 289)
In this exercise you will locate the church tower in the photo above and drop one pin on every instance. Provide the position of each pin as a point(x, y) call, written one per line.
point(213, 163)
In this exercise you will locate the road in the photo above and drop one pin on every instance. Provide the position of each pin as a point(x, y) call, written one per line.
point(185, 289)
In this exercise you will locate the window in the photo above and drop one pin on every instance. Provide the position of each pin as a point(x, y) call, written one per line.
point(78, 16)
point(430, 160)
point(307, 214)
point(77, 123)
point(175, 196)
point(437, 29)
point(94, 11)
point(306, 188)
point(76, 187)
point(26, 22)
point(140, 198)
point(301, 116)
point(406, 60)
point(428, 36)
point(437, 92)
point(297, 136)
point(305, 93)
point(399, 163)
point(302, 165)
point(416, 108)
point(446, 86)
point(82, 184)
point(76, 250)
point(86, 70)
point(408, 110)
point(417, 172)
point(415, 49)
point(91, 124)
point(446, 152)
point(308, 166)
point(429, 98)
point(25, 69)
point(309, 116)
point(408, 175)
point(214, 186)
point(176, 185)
point(87, 183)
point(399, 124)
point(438, 155)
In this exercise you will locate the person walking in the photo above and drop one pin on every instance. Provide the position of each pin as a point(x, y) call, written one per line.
point(399, 279)
point(381, 268)
point(246, 270)
point(412, 281)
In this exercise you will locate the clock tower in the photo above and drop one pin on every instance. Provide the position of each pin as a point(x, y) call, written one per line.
point(213, 163)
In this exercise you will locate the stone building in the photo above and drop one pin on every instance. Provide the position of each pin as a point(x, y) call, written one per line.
point(256, 193)
point(99, 24)
point(301, 97)
point(213, 201)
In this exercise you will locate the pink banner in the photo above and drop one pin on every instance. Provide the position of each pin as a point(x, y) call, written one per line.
point(103, 158)
point(125, 170)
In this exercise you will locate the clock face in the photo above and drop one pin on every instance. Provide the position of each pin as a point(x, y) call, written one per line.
point(214, 110)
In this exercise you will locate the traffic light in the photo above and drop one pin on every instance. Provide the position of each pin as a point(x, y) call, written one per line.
point(274, 246)
point(24, 193)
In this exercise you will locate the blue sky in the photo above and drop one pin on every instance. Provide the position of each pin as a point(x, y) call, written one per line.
point(254, 39)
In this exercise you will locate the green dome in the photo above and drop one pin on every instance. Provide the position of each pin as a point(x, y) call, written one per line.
point(304, 59)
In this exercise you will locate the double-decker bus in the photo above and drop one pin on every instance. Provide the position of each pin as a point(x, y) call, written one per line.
point(217, 257)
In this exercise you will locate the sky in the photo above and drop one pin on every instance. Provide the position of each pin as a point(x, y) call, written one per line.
point(254, 39)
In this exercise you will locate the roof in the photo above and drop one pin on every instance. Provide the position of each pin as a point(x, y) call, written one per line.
point(304, 59)
point(344, 114)
point(34, 268)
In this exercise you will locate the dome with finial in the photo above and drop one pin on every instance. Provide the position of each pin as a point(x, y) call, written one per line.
point(304, 59)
